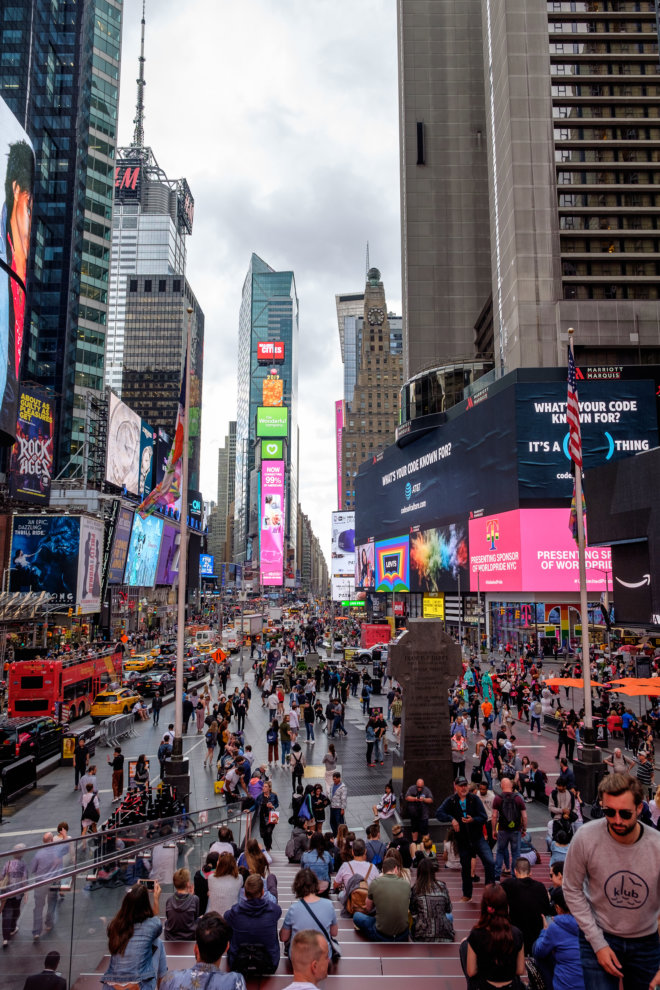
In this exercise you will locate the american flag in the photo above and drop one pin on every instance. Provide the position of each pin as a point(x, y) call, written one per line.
point(573, 413)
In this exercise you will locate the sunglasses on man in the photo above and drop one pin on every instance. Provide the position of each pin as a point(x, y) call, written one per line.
point(624, 813)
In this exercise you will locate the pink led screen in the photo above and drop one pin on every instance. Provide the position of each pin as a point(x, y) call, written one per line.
point(532, 550)
point(272, 522)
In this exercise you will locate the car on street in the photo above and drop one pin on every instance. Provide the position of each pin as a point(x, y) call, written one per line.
point(119, 702)
point(148, 684)
point(24, 736)
point(140, 663)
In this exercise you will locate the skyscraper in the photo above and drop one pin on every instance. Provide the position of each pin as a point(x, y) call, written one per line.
point(373, 372)
point(149, 294)
point(268, 316)
point(226, 475)
point(59, 74)
point(542, 112)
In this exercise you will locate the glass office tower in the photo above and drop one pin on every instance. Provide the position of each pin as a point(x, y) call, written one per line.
point(59, 74)
point(269, 312)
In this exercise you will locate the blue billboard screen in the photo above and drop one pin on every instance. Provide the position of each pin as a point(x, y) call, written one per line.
point(143, 551)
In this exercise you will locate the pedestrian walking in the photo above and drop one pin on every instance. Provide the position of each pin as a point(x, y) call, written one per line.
point(117, 765)
point(156, 706)
point(14, 874)
point(330, 763)
point(467, 815)
point(338, 801)
point(509, 822)
point(80, 761)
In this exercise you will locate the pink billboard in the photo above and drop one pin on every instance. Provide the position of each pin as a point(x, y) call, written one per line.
point(532, 550)
point(271, 525)
point(339, 429)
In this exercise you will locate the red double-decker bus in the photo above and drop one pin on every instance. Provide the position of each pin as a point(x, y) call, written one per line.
point(64, 687)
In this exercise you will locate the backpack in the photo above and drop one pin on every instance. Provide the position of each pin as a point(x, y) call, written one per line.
point(210, 741)
point(271, 736)
point(357, 891)
point(510, 816)
point(252, 960)
point(90, 811)
point(377, 850)
point(537, 708)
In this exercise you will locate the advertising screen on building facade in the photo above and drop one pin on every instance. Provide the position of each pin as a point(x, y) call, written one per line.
point(17, 168)
point(270, 351)
point(120, 543)
point(433, 607)
point(339, 432)
point(532, 550)
point(143, 549)
point(90, 563)
point(272, 389)
point(168, 560)
point(123, 448)
point(617, 419)
point(148, 438)
point(271, 523)
point(31, 466)
point(365, 565)
point(272, 450)
point(206, 565)
point(343, 556)
point(44, 556)
point(439, 558)
point(393, 564)
point(272, 421)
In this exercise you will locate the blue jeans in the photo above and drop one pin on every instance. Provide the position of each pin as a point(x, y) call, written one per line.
point(366, 924)
point(639, 959)
point(378, 751)
point(506, 840)
point(336, 819)
point(365, 706)
point(286, 750)
point(310, 729)
point(537, 719)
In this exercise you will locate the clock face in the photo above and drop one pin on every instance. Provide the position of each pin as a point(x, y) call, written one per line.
point(376, 315)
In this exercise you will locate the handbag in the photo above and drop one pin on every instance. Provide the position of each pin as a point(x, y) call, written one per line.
point(334, 948)
point(273, 817)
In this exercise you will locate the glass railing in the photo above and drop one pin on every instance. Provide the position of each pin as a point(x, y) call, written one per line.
point(75, 887)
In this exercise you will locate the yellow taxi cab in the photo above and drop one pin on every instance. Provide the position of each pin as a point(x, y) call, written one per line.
point(119, 702)
point(204, 647)
point(140, 663)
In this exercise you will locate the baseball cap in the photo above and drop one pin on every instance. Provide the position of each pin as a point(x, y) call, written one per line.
point(461, 781)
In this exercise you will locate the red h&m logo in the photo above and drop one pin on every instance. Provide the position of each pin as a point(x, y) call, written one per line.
point(127, 177)
point(492, 533)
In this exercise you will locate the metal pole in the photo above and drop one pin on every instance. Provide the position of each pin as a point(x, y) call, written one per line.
point(584, 614)
point(177, 747)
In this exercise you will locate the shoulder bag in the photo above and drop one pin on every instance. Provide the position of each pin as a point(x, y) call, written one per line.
point(334, 948)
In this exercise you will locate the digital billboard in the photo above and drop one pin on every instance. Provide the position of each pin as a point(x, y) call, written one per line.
point(168, 560)
point(393, 564)
point(365, 563)
point(206, 569)
point(272, 450)
point(17, 170)
point(128, 176)
point(270, 351)
point(617, 419)
point(343, 555)
point(90, 562)
point(272, 421)
point(272, 389)
point(532, 550)
point(163, 447)
point(271, 523)
point(148, 438)
point(31, 465)
point(339, 432)
point(439, 558)
point(117, 563)
point(44, 556)
point(433, 607)
point(142, 558)
point(123, 446)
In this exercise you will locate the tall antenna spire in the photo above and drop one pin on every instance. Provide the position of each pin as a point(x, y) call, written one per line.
point(138, 133)
point(367, 268)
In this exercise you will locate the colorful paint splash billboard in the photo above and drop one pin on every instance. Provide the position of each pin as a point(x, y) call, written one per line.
point(439, 557)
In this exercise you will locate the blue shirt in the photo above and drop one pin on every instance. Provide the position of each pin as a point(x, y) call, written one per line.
point(320, 865)
point(298, 917)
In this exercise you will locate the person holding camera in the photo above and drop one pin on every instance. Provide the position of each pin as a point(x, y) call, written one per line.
point(467, 816)
point(137, 955)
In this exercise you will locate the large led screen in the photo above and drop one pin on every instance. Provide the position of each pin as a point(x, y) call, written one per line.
point(90, 563)
point(44, 556)
point(272, 421)
point(168, 561)
point(271, 523)
point(617, 419)
point(439, 558)
point(393, 564)
point(32, 455)
point(143, 549)
point(532, 550)
point(17, 170)
point(272, 450)
point(343, 556)
point(119, 550)
point(365, 565)
point(122, 466)
point(206, 565)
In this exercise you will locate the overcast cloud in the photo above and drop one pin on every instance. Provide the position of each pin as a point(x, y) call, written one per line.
point(282, 115)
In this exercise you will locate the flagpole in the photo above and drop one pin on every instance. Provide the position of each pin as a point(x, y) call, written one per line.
point(181, 771)
point(584, 611)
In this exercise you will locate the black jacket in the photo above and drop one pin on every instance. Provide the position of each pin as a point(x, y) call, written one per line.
point(46, 980)
point(469, 832)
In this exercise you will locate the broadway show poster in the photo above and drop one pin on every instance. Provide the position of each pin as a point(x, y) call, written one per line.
point(120, 547)
point(90, 562)
point(143, 551)
point(17, 170)
point(32, 455)
point(44, 556)
point(123, 456)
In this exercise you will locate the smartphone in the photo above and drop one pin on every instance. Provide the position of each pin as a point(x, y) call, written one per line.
point(149, 884)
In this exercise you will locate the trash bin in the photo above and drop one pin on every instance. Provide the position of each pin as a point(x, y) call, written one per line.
point(376, 679)
point(600, 727)
point(70, 741)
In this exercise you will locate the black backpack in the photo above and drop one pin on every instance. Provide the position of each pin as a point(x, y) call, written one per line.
point(510, 813)
point(252, 960)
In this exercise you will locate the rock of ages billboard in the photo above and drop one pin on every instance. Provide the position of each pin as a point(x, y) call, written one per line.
point(16, 190)
point(31, 464)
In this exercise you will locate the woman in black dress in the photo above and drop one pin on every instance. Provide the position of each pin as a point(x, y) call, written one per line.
point(493, 954)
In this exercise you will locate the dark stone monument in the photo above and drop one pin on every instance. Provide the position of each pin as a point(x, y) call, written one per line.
point(426, 662)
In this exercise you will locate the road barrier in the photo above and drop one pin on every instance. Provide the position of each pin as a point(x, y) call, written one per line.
point(112, 729)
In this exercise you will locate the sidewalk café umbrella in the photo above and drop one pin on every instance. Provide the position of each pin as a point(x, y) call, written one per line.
point(577, 682)
point(636, 687)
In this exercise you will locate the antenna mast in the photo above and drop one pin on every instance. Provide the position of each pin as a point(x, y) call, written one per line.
point(138, 133)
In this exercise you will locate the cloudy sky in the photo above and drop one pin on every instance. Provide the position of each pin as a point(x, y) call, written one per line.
point(282, 115)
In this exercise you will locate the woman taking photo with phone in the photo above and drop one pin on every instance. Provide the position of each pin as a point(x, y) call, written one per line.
point(137, 955)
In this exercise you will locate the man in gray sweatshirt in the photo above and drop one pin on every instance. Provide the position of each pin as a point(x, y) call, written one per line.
point(612, 888)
